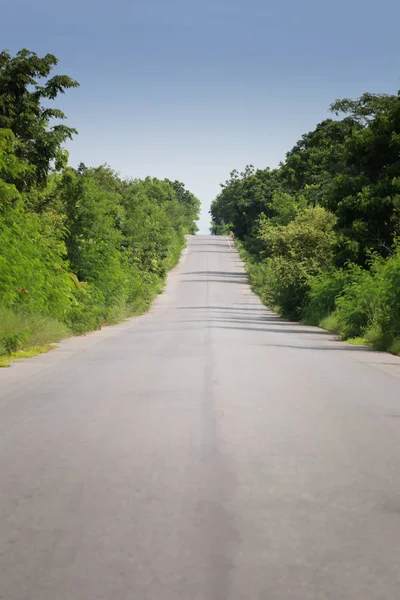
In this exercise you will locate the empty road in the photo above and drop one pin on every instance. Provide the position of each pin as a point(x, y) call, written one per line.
point(205, 451)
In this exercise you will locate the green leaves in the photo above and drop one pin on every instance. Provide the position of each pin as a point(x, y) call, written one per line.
point(365, 108)
point(311, 226)
point(189, 203)
point(22, 112)
point(119, 238)
point(242, 199)
point(297, 252)
point(11, 168)
point(81, 247)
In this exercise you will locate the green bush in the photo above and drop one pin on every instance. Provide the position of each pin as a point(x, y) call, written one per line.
point(384, 330)
point(33, 273)
point(368, 306)
point(359, 302)
point(323, 292)
point(90, 250)
point(299, 252)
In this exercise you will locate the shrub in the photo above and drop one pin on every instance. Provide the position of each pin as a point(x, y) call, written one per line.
point(369, 304)
point(33, 273)
point(324, 289)
point(299, 252)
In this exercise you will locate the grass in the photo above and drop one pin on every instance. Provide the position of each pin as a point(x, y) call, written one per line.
point(34, 329)
point(6, 360)
point(395, 347)
point(25, 335)
point(331, 323)
point(357, 341)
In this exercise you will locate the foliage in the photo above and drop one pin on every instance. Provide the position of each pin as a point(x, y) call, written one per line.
point(21, 111)
point(98, 251)
point(324, 290)
point(33, 273)
point(11, 168)
point(242, 199)
point(190, 204)
point(78, 247)
point(299, 251)
point(337, 261)
point(18, 328)
point(369, 305)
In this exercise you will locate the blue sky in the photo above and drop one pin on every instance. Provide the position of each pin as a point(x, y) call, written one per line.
point(191, 90)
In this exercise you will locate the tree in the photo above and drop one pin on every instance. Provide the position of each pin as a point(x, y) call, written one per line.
point(366, 108)
point(316, 158)
point(189, 202)
point(242, 200)
point(24, 84)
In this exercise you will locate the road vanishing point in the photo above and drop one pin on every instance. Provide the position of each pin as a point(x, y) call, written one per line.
point(208, 450)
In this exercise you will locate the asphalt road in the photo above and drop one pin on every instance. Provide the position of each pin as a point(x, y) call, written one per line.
point(205, 451)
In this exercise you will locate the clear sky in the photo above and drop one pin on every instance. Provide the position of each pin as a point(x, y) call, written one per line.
point(190, 90)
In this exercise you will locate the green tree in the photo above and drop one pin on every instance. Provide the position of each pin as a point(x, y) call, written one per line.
point(190, 204)
point(93, 240)
point(365, 109)
point(24, 85)
point(242, 200)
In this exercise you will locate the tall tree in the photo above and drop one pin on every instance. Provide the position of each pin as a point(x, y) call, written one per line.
point(24, 85)
point(189, 202)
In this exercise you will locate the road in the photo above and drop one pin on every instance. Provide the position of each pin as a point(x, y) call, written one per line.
point(205, 451)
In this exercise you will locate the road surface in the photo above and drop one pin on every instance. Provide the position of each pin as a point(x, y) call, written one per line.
point(205, 451)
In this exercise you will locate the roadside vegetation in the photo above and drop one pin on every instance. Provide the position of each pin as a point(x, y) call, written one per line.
point(321, 234)
point(79, 248)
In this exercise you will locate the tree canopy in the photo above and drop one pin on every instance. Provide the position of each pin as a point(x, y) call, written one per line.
point(24, 86)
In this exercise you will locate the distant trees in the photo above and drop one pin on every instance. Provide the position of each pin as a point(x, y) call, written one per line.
point(189, 202)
